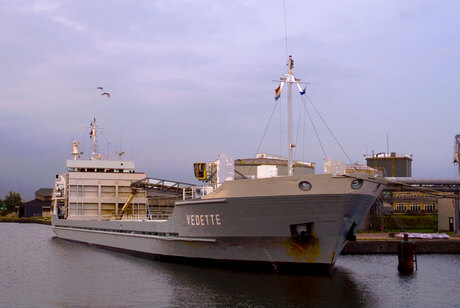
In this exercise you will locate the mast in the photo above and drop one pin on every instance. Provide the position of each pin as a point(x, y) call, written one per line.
point(75, 151)
point(290, 80)
point(94, 155)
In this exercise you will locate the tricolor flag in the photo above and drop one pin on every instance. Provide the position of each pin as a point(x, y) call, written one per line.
point(278, 91)
point(302, 91)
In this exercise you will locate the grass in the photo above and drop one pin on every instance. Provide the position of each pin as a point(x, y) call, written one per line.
point(37, 220)
point(422, 223)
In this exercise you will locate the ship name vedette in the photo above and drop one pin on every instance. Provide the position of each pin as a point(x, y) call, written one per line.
point(203, 220)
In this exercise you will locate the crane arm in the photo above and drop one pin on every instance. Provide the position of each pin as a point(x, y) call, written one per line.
point(128, 202)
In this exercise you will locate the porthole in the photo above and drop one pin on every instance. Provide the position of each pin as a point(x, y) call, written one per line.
point(356, 184)
point(304, 185)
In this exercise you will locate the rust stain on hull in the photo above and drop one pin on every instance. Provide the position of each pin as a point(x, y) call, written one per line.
point(303, 251)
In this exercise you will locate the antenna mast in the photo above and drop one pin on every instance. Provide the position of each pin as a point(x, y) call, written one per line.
point(93, 135)
point(289, 79)
point(285, 29)
point(75, 151)
point(457, 152)
point(388, 144)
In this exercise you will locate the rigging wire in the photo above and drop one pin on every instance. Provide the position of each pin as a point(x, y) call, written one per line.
point(330, 131)
point(297, 133)
point(314, 128)
point(263, 136)
point(281, 131)
point(428, 191)
point(300, 110)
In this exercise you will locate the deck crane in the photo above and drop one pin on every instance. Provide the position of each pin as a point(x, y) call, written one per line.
point(457, 152)
point(159, 188)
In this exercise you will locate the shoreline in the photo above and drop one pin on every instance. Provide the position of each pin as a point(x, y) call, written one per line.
point(32, 220)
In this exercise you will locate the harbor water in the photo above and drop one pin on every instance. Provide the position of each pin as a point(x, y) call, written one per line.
point(39, 270)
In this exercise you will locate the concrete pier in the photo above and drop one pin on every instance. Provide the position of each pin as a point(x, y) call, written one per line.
point(382, 243)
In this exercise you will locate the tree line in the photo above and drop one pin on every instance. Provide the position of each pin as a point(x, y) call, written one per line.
point(8, 205)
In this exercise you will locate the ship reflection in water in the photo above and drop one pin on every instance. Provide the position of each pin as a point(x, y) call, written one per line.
point(212, 288)
point(49, 272)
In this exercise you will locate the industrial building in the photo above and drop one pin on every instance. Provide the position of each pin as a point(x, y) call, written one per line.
point(40, 206)
point(391, 164)
point(415, 196)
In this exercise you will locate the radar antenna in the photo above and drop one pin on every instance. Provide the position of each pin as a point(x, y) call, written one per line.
point(75, 152)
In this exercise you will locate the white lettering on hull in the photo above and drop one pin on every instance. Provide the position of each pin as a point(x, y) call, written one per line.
point(204, 220)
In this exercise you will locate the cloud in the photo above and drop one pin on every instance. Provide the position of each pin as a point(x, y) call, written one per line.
point(195, 78)
point(42, 6)
point(68, 23)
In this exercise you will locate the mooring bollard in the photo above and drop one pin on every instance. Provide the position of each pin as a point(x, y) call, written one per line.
point(406, 256)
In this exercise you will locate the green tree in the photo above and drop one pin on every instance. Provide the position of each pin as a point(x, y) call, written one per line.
point(12, 200)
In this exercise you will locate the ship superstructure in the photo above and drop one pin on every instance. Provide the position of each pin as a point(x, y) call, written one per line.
point(95, 188)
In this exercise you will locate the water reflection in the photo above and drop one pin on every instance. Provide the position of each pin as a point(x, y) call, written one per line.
point(51, 272)
point(208, 287)
point(169, 284)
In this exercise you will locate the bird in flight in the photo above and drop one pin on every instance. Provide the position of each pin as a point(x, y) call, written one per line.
point(104, 93)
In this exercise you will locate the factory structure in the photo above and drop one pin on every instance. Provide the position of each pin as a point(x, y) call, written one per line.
point(408, 195)
point(391, 164)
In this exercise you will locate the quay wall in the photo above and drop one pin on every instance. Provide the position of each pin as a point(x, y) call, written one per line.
point(390, 246)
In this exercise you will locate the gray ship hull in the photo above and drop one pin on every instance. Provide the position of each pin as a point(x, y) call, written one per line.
point(276, 229)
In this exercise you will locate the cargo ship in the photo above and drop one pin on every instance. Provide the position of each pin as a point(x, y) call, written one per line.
point(278, 217)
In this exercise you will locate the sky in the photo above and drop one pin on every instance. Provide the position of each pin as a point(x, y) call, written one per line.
point(191, 79)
